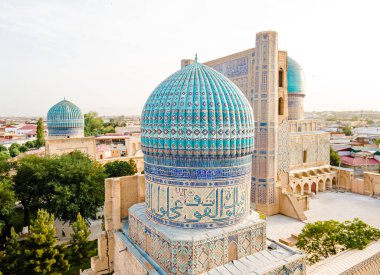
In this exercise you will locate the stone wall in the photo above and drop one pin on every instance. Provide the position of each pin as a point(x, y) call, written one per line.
point(67, 145)
point(372, 184)
point(120, 194)
point(350, 262)
point(369, 185)
point(302, 125)
point(309, 150)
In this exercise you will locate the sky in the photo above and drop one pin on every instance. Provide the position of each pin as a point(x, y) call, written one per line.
point(108, 56)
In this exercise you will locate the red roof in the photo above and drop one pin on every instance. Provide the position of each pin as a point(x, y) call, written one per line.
point(28, 127)
point(358, 161)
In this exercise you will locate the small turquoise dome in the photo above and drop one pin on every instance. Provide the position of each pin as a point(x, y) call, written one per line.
point(65, 119)
point(197, 111)
point(296, 78)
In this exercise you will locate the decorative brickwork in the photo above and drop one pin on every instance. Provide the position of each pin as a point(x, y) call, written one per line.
point(193, 251)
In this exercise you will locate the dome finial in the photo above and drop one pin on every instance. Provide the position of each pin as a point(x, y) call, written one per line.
point(196, 57)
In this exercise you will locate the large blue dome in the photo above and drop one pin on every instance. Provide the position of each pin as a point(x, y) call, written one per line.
point(65, 119)
point(296, 78)
point(197, 111)
point(197, 139)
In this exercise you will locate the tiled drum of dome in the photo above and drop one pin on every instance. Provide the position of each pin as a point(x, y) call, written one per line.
point(197, 139)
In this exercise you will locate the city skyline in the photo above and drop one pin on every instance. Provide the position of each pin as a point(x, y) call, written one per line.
point(109, 56)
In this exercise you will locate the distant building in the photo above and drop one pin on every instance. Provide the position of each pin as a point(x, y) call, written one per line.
point(65, 120)
point(26, 129)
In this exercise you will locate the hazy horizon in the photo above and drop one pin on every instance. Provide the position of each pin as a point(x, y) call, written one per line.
point(109, 56)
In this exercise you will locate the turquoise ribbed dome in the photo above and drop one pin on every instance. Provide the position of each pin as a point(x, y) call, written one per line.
point(197, 112)
point(296, 78)
point(65, 119)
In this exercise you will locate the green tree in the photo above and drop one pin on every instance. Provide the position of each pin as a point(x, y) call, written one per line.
point(40, 133)
point(7, 202)
point(133, 165)
point(347, 130)
point(12, 262)
point(3, 148)
point(93, 125)
point(23, 149)
point(14, 150)
point(81, 249)
point(5, 165)
point(42, 254)
point(320, 240)
point(34, 181)
point(370, 122)
point(334, 158)
point(79, 176)
point(357, 234)
point(30, 144)
point(60, 184)
point(323, 239)
point(120, 168)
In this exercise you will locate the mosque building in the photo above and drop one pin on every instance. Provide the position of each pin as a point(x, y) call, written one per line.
point(65, 120)
point(290, 156)
point(198, 140)
point(65, 123)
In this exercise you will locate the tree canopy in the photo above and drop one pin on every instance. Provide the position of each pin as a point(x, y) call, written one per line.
point(7, 201)
point(80, 247)
point(347, 130)
point(14, 150)
point(323, 239)
point(79, 187)
point(60, 184)
point(120, 168)
point(40, 133)
point(42, 255)
point(94, 125)
point(3, 148)
point(334, 158)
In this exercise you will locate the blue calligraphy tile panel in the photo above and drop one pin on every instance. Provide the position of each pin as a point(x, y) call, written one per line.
point(233, 68)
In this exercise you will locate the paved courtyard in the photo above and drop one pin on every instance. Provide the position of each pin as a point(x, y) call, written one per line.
point(328, 206)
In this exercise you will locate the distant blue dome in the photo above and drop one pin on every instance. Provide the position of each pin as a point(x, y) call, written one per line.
point(197, 111)
point(296, 78)
point(65, 119)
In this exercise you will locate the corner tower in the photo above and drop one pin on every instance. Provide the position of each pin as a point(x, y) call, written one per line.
point(265, 106)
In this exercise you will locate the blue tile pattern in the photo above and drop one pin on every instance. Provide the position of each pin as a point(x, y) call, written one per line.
point(197, 138)
point(197, 111)
point(65, 119)
point(233, 68)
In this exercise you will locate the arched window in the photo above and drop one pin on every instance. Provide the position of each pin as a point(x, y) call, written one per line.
point(304, 156)
point(281, 78)
point(281, 106)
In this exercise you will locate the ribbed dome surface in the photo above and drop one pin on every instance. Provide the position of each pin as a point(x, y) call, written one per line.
point(296, 78)
point(197, 111)
point(64, 118)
